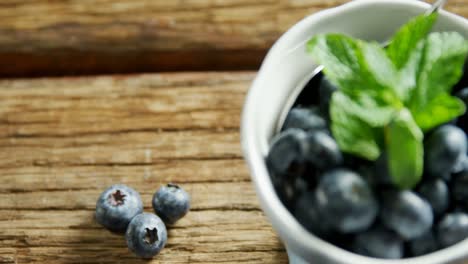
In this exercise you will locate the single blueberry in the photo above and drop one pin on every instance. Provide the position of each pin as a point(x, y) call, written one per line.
point(460, 167)
point(345, 201)
point(326, 90)
point(424, 244)
point(307, 214)
point(287, 155)
point(462, 121)
point(463, 95)
point(146, 235)
point(289, 190)
point(304, 118)
point(406, 213)
point(171, 203)
point(459, 188)
point(324, 152)
point(444, 150)
point(452, 229)
point(436, 192)
point(379, 242)
point(116, 206)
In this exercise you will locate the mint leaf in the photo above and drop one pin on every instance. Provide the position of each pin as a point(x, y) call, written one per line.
point(407, 38)
point(404, 144)
point(387, 98)
point(408, 74)
point(356, 67)
point(441, 109)
point(367, 110)
point(351, 133)
point(439, 69)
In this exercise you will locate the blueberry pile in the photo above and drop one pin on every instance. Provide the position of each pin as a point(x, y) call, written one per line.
point(120, 209)
point(352, 203)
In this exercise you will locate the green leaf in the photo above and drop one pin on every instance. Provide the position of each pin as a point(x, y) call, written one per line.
point(441, 109)
point(386, 98)
point(351, 133)
point(356, 67)
point(367, 110)
point(407, 38)
point(439, 69)
point(404, 144)
point(408, 74)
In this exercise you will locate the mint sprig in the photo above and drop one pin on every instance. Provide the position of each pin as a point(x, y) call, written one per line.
point(389, 96)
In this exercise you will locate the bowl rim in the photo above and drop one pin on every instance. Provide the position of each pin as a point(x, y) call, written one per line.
point(296, 237)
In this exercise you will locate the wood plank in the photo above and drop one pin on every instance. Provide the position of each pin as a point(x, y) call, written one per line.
point(64, 140)
point(121, 104)
point(115, 36)
point(39, 235)
point(119, 36)
point(63, 178)
point(107, 36)
point(61, 37)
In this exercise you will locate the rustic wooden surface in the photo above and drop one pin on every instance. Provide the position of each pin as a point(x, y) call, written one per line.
point(60, 37)
point(63, 141)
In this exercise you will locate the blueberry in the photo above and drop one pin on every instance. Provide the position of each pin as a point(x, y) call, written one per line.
point(379, 242)
point(460, 187)
point(116, 206)
point(460, 167)
point(287, 192)
point(424, 244)
point(324, 152)
point(406, 213)
point(345, 201)
point(463, 95)
point(436, 192)
point(326, 90)
point(307, 214)
point(171, 203)
point(289, 188)
point(452, 229)
point(462, 121)
point(304, 118)
point(287, 155)
point(146, 235)
point(444, 150)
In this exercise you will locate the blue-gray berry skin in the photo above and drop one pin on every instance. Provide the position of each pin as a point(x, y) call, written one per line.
point(436, 192)
point(444, 150)
point(307, 214)
point(406, 213)
point(146, 235)
point(304, 118)
point(463, 95)
point(287, 155)
point(323, 152)
point(116, 206)
point(425, 244)
point(460, 187)
point(379, 242)
point(345, 201)
point(290, 189)
point(171, 203)
point(452, 229)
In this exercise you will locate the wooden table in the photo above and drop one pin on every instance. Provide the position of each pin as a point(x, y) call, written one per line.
point(64, 140)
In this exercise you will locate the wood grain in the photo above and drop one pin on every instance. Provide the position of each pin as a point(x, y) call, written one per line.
point(42, 37)
point(63, 140)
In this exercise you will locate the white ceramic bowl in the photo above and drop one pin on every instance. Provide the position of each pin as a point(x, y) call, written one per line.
point(285, 67)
